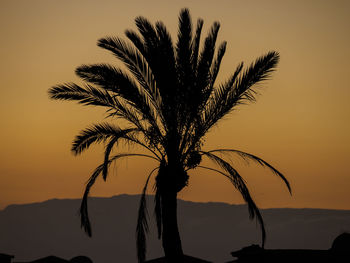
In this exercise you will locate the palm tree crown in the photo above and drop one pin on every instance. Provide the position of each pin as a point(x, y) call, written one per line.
point(169, 99)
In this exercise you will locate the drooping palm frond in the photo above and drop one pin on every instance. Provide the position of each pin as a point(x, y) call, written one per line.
point(251, 157)
point(84, 215)
point(97, 133)
point(142, 223)
point(108, 151)
point(238, 182)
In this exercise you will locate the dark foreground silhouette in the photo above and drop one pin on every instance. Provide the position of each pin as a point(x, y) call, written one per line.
point(339, 252)
point(4, 258)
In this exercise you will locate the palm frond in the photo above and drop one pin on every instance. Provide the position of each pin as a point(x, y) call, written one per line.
point(153, 51)
point(108, 150)
point(112, 79)
point(136, 40)
point(148, 98)
point(165, 50)
point(251, 157)
point(206, 57)
point(142, 223)
point(195, 45)
point(148, 33)
point(240, 185)
point(218, 103)
point(184, 50)
point(84, 214)
point(238, 90)
point(257, 72)
point(166, 77)
point(97, 133)
point(217, 62)
point(135, 62)
point(199, 90)
point(86, 95)
point(138, 64)
point(203, 73)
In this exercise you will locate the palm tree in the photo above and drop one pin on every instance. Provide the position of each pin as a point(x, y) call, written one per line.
point(169, 101)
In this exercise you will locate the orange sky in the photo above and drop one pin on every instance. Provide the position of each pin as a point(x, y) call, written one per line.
point(300, 123)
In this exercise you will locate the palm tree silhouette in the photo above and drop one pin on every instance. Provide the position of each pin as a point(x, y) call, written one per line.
point(170, 101)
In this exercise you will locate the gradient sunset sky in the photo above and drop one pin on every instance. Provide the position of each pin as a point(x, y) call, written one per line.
point(300, 122)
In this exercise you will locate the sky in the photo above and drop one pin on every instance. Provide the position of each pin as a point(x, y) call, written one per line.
point(299, 124)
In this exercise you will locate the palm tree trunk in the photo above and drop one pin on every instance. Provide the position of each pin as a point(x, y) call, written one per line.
point(171, 237)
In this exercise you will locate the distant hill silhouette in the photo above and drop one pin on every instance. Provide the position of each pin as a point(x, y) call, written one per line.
point(209, 230)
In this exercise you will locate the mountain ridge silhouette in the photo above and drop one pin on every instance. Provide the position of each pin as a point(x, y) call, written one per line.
point(209, 230)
